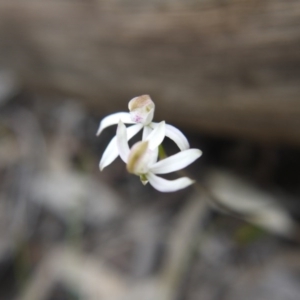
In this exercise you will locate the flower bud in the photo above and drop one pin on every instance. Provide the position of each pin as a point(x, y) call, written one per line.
point(141, 109)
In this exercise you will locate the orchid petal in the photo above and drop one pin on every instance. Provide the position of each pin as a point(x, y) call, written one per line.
point(153, 157)
point(111, 152)
point(164, 185)
point(176, 162)
point(146, 131)
point(156, 137)
point(122, 141)
point(114, 119)
point(177, 136)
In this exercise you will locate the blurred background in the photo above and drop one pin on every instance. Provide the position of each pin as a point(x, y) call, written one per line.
point(226, 73)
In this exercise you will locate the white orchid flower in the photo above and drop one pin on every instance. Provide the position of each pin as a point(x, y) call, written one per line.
point(141, 112)
point(141, 159)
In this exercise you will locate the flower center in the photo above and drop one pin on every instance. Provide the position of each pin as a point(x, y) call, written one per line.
point(138, 159)
point(141, 109)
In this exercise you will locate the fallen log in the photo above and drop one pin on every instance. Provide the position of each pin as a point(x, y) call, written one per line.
point(218, 67)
